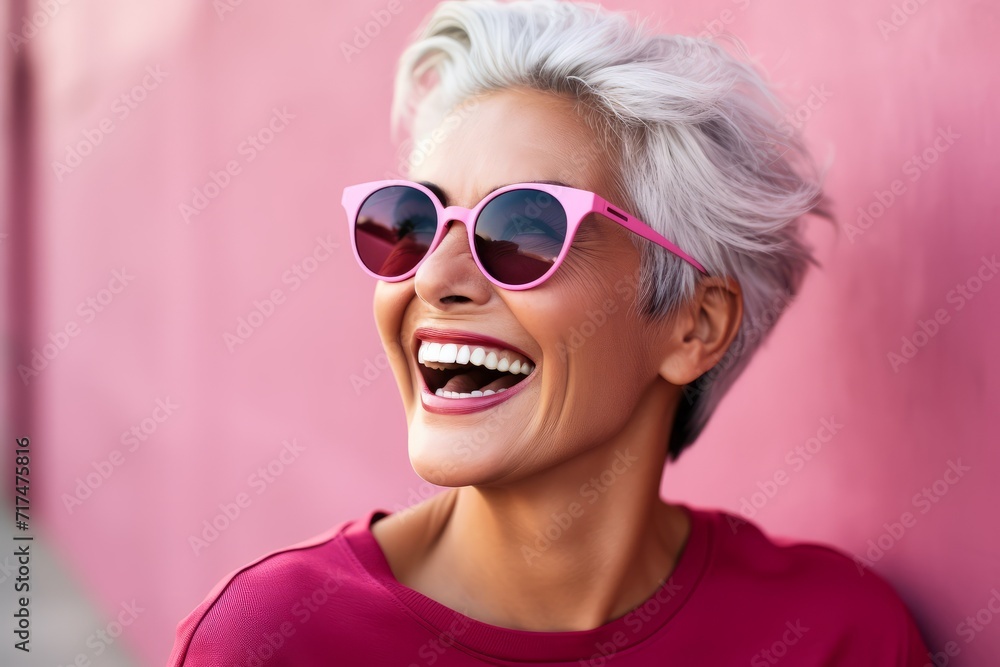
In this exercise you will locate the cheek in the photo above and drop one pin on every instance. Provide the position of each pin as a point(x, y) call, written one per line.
point(590, 335)
point(389, 307)
point(605, 353)
point(584, 300)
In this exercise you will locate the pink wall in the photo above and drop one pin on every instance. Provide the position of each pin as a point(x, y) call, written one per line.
point(877, 102)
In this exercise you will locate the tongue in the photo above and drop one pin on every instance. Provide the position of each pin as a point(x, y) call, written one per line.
point(466, 383)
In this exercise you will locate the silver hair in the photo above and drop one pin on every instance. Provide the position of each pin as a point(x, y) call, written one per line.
point(704, 153)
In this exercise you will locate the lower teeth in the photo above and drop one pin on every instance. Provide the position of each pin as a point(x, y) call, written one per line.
point(455, 394)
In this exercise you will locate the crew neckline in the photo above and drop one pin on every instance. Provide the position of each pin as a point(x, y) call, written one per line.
point(624, 633)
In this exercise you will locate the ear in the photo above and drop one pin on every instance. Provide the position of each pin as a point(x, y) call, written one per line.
point(703, 329)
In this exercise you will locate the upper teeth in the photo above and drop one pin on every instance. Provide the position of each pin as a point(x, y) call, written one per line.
point(490, 357)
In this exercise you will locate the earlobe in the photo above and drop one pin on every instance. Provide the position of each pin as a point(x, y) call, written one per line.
point(702, 331)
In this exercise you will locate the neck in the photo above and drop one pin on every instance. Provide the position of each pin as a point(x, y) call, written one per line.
point(570, 548)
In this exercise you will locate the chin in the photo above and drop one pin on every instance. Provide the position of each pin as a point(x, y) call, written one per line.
point(455, 461)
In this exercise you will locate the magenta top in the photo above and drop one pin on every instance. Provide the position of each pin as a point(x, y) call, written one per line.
point(735, 597)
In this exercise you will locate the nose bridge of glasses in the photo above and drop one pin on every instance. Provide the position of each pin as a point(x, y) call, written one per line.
point(463, 215)
point(459, 245)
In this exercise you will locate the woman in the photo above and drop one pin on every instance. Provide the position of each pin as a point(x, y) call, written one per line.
point(553, 349)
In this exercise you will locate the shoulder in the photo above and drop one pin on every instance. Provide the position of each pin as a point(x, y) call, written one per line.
point(815, 588)
point(264, 608)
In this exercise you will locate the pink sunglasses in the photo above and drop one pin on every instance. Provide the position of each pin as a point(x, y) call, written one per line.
point(519, 234)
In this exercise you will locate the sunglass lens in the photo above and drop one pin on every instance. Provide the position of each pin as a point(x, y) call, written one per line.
point(394, 229)
point(519, 235)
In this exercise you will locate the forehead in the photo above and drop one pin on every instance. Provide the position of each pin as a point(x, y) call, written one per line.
point(511, 136)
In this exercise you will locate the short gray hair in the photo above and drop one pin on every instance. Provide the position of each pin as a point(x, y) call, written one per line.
point(705, 155)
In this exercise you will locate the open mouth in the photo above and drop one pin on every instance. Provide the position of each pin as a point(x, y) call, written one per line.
point(459, 370)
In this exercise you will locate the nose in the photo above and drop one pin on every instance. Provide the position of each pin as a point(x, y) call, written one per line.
point(449, 276)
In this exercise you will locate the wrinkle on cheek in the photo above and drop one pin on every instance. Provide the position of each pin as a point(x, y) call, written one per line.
point(539, 434)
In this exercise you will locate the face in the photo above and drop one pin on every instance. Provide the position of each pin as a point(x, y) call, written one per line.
point(591, 355)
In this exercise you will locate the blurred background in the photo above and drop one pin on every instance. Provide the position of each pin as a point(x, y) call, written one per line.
point(189, 344)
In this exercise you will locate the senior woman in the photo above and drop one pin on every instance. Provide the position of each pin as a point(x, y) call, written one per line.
point(573, 271)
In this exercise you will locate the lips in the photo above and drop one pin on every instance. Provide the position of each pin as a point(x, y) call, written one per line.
point(464, 372)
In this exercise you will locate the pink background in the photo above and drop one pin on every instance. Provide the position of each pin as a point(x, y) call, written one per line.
point(871, 100)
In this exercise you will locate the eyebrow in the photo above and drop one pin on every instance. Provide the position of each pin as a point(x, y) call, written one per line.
point(436, 189)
